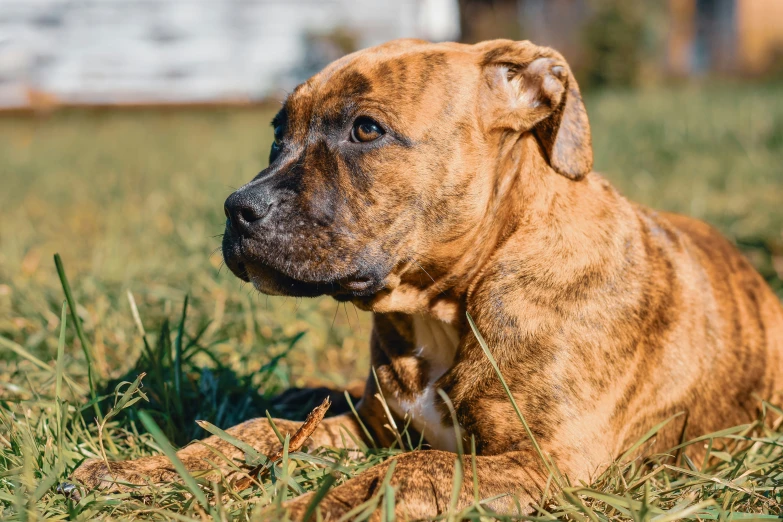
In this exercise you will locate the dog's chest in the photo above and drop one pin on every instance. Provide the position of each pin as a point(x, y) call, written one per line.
point(435, 347)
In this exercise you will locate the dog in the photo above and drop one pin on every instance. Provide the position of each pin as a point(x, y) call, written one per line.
point(433, 183)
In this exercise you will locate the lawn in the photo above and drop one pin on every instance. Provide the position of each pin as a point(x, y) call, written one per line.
point(132, 202)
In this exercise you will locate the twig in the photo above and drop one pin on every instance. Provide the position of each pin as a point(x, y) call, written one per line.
point(298, 440)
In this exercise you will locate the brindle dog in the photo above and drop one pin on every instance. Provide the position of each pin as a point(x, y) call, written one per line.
point(427, 181)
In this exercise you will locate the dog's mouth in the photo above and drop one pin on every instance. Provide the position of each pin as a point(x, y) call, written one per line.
point(271, 281)
point(276, 267)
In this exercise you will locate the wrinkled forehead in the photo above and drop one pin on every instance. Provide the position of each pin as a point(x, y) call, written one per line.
point(396, 80)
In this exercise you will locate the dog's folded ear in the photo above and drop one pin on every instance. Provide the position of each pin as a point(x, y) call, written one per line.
point(531, 88)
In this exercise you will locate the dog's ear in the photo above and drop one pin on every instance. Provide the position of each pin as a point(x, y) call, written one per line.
point(528, 87)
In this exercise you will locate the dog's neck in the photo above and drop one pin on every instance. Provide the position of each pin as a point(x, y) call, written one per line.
point(552, 217)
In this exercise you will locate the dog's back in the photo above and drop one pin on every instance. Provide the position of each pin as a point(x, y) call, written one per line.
point(742, 320)
point(746, 294)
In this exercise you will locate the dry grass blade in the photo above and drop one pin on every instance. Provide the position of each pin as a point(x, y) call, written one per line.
point(298, 440)
point(544, 458)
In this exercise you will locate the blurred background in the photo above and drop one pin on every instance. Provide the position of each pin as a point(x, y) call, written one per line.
point(124, 124)
point(165, 51)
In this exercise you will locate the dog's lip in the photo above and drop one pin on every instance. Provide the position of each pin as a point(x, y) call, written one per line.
point(271, 281)
point(241, 272)
point(356, 283)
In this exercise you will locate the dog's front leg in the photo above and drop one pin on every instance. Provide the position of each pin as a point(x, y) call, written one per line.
point(211, 453)
point(423, 483)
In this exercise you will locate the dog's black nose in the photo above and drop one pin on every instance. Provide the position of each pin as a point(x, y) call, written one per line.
point(243, 208)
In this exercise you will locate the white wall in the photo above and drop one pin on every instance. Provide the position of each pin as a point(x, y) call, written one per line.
point(99, 51)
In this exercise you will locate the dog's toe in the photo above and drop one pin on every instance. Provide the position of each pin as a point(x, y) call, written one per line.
point(68, 490)
point(92, 473)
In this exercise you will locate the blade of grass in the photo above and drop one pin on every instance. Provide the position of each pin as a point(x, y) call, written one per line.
point(127, 399)
point(687, 512)
point(281, 487)
point(714, 435)
point(458, 464)
point(473, 467)
point(366, 508)
point(573, 499)
point(388, 497)
point(521, 417)
point(256, 457)
point(319, 461)
point(77, 324)
point(647, 436)
point(168, 450)
point(140, 325)
point(45, 485)
point(59, 404)
point(274, 427)
point(21, 352)
point(178, 350)
point(60, 364)
point(346, 434)
point(319, 495)
point(616, 501)
point(358, 419)
point(392, 425)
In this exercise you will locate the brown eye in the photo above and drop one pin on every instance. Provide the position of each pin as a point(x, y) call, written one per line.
point(365, 129)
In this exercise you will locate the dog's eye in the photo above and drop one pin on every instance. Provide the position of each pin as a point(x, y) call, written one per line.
point(274, 152)
point(366, 129)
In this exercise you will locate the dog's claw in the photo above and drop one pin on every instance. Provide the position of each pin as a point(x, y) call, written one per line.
point(68, 490)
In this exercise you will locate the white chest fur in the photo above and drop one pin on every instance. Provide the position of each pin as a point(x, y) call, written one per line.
point(436, 343)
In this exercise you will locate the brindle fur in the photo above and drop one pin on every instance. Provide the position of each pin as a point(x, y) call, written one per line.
point(605, 317)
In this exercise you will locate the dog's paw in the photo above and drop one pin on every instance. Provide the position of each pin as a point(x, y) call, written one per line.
point(91, 474)
point(112, 477)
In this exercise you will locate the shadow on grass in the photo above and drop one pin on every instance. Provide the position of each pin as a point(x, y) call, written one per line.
point(181, 392)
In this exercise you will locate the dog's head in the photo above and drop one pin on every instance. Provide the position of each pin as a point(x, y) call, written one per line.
point(387, 161)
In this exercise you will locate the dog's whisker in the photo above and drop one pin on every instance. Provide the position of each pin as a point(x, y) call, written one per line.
point(336, 310)
point(348, 319)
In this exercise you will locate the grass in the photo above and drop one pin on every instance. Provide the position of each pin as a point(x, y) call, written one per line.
point(132, 202)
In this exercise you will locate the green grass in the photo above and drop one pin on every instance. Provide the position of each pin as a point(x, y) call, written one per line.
point(132, 202)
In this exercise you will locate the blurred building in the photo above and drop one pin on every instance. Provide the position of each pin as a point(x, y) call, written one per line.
point(185, 51)
point(678, 37)
point(147, 51)
point(744, 36)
